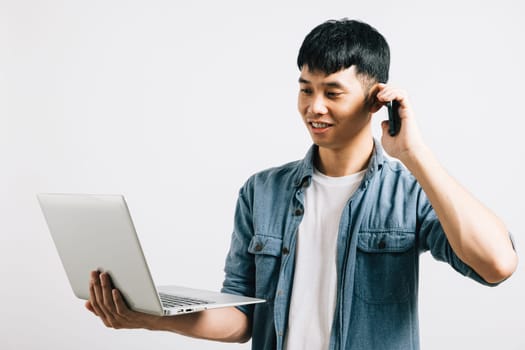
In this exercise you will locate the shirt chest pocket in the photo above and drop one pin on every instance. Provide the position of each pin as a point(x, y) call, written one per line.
point(267, 251)
point(386, 266)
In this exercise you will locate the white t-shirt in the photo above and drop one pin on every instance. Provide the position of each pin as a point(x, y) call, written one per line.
point(314, 290)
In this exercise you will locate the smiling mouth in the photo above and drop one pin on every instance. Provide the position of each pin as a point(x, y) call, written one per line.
point(317, 125)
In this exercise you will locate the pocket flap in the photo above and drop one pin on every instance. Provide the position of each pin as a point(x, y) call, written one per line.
point(265, 245)
point(386, 242)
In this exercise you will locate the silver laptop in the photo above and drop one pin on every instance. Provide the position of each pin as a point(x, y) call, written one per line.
point(95, 232)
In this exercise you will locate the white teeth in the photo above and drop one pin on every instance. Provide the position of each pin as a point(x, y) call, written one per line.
point(320, 125)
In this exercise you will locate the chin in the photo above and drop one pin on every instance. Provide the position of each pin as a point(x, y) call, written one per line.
point(324, 144)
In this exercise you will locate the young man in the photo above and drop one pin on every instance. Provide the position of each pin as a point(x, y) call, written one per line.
point(332, 241)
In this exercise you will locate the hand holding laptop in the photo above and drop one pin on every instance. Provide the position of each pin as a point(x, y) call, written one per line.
point(223, 324)
point(96, 232)
point(108, 303)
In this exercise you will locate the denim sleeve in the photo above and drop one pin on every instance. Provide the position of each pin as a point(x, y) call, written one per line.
point(432, 237)
point(240, 265)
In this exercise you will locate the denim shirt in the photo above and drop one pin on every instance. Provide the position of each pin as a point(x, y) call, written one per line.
point(384, 227)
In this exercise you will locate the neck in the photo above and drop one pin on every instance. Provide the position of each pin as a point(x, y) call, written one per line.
point(350, 159)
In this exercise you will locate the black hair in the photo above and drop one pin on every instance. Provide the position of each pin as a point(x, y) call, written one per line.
point(339, 44)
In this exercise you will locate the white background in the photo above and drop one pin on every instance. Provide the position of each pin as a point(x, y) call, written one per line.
point(175, 104)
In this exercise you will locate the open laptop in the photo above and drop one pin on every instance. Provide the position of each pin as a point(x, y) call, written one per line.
point(95, 232)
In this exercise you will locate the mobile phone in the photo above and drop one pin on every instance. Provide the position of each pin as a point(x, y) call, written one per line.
point(394, 122)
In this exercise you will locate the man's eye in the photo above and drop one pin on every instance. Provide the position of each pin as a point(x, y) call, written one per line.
point(331, 94)
point(306, 91)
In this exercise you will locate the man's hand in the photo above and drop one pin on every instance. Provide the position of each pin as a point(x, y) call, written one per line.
point(224, 324)
point(409, 140)
point(107, 303)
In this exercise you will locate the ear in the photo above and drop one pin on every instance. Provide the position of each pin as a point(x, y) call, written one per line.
point(374, 103)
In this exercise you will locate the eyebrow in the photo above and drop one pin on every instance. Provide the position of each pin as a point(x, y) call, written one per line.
point(333, 84)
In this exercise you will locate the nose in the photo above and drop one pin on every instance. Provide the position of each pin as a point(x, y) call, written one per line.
point(318, 106)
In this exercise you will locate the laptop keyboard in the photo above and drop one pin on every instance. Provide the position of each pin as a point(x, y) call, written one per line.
point(170, 301)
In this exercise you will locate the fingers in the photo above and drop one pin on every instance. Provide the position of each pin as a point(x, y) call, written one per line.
point(96, 299)
point(120, 305)
point(388, 93)
point(109, 305)
point(107, 296)
point(101, 299)
point(95, 295)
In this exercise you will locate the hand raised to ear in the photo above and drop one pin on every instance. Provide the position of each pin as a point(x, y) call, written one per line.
point(409, 139)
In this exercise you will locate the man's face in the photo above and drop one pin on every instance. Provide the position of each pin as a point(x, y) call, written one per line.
point(334, 107)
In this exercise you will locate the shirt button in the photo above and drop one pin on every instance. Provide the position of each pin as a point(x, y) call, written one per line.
point(382, 244)
point(258, 247)
point(298, 212)
point(285, 251)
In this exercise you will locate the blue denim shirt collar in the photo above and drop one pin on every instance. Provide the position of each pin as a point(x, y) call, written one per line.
point(306, 167)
